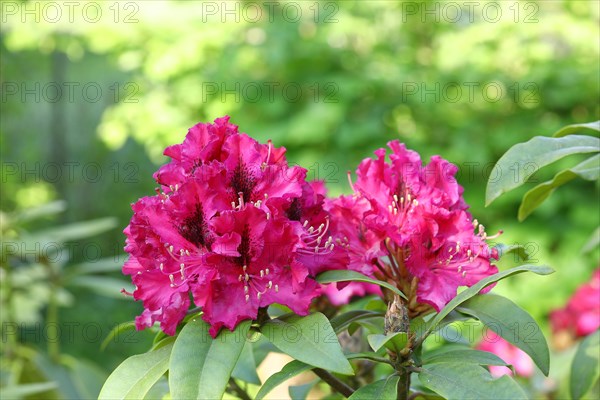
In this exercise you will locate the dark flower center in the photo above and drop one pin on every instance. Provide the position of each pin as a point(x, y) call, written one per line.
point(244, 247)
point(195, 229)
point(243, 182)
point(294, 212)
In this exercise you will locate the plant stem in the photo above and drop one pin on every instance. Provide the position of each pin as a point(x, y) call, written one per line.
point(193, 310)
point(238, 390)
point(396, 320)
point(403, 388)
point(334, 382)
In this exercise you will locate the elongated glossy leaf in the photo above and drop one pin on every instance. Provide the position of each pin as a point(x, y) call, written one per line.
point(512, 323)
point(58, 373)
point(342, 321)
point(108, 264)
point(585, 369)
point(419, 325)
point(78, 230)
point(116, 332)
point(300, 392)
point(309, 339)
point(261, 347)
point(290, 370)
point(348, 275)
point(245, 369)
point(569, 129)
point(43, 210)
point(470, 356)
point(382, 389)
point(26, 389)
point(166, 341)
point(475, 289)
point(592, 242)
point(394, 342)
point(518, 250)
point(524, 159)
point(134, 377)
point(87, 377)
point(460, 380)
point(200, 367)
point(373, 325)
point(588, 170)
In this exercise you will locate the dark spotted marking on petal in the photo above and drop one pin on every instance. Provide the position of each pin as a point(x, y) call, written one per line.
point(243, 181)
point(195, 229)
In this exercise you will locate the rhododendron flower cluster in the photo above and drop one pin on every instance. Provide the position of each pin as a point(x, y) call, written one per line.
point(232, 228)
point(408, 224)
point(509, 353)
point(581, 315)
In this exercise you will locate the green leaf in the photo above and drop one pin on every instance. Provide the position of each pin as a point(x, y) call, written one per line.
point(309, 339)
point(373, 325)
point(200, 367)
point(108, 264)
point(569, 129)
point(382, 389)
point(167, 340)
point(469, 356)
point(290, 370)
point(58, 373)
point(342, 321)
point(420, 324)
point(460, 380)
point(78, 230)
point(160, 390)
point(475, 289)
point(519, 250)
point(300, 392)
point(376, 304)
point(348, 275)
point(87, 377)
point(512, 323)
point(368, 356)
point(593, 241)
point(588, 170)
point(103, 285)
point(585, 369)
point(524, 159)
point(43, 210)
point(134, 377)
point(261, 346)
point(394, 342)
point(26, 389)
point(116, 331)
point(245, 369)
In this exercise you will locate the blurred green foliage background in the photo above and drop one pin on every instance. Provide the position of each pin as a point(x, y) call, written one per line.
point(92, 94)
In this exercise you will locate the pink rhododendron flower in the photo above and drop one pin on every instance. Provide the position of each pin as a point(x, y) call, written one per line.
point(511, 354)
point(233, 229)
point(408, 224)
point(362, 247)
point(581, 315)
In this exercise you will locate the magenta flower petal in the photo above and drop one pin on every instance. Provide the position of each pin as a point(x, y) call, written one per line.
point(581, 315)
point(509, 353)
point(407, 221)
point(233, 227)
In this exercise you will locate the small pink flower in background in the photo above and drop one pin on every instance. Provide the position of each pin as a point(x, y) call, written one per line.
point(511, 354)
point(407, 223)
point(581, 315)
point(339, 294)
point(233, 228)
